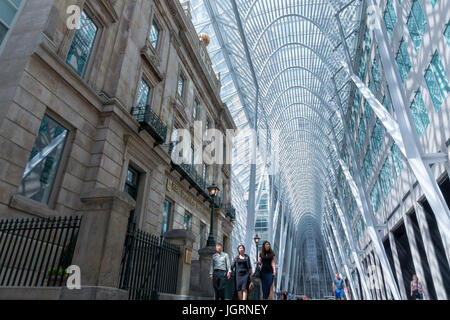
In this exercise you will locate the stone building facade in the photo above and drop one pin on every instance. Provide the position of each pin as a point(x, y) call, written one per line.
point(87, 116)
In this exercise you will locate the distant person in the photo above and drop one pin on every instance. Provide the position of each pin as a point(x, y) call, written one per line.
point(243, 268)
point(219, 271)
point(285, 295)
point(277, 294)
point(291, 295)
point(268, 269)
point(338, 287)
point(416, 288)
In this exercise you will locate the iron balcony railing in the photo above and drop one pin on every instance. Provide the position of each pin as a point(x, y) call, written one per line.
point(150, 122)
point(230, 211)
point(37, 252)
point(196, 180)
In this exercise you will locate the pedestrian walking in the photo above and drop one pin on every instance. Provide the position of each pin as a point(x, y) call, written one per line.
point(291, 295)
point(416, 288)
point(268, 269)
point(243, 268)
point(219, 271)
point(338, 287)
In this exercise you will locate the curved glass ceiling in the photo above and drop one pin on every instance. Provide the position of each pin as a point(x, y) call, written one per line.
point(295, 51)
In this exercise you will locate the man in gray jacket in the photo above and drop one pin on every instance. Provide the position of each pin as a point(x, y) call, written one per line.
point(219, 270)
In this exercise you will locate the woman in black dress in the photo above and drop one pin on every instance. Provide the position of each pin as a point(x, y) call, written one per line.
point(243, 269)
point(268, 269)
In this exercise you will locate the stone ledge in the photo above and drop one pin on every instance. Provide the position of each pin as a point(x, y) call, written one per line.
point(108, 194)
point(180, 234)
point(31, 207)
point(168, 296)
point(62, 293)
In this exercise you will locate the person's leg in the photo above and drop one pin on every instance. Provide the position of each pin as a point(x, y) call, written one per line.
point(240, 295)
point(271, 291)
point(222, 286)
point(244, 294)
point(216, 283)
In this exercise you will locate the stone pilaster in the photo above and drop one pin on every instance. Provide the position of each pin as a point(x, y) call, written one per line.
point(185, 239)
point(101, 239)
point(206, 285)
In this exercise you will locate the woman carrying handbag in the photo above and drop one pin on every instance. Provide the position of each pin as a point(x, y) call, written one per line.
point(243, 270)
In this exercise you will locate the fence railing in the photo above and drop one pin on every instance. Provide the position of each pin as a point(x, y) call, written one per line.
point(151, 123)
point(142, 265)
point(37, 252)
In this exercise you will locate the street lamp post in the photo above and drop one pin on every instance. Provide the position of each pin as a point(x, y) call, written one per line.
point(257, 239)
point(257, 284)
point(213, 190)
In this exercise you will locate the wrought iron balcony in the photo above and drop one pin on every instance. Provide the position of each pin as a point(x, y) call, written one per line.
point(230, 211)
point(196, 180)
point(150, 122)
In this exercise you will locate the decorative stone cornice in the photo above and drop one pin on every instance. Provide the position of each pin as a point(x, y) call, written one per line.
point(153, 61)
point(105, 12)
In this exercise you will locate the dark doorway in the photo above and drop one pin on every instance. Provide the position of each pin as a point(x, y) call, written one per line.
point(404, 255)
point(423, 257)
point(387, 248)
point(436, 236)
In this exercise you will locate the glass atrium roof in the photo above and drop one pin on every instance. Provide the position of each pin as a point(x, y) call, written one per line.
point(295, 52)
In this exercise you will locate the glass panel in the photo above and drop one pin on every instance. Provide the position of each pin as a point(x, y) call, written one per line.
point(368, 165)
point(154, 35)
point(376, 74)
point(375, 198)
point(3, 32)
point(42, 166)
point(187, 221)
point(417, 24)
point(195, 109)
point(377, 137)
point(447, 33)
point(397, 159)
point(386, 180)
point(437, 81)
point(419, 114)
point(390, 18)
point(180, 89)
point(132, 182)
point(81, 47)
point(403, 61)
point(7, 12)
point(166, 216)
point(143, 94)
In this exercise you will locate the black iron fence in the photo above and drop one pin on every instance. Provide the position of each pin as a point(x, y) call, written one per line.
point(37, 252)
point(149, 263)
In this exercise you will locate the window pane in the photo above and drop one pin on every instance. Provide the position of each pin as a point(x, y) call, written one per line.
point(3, 31)
point(375, 198)
point(403, 61)
point(437, 81)
point(390, 17)
point(397, 159)
point(447, 33)
point(417, 24)
point(195, 109)
point(143, 94)
point(180, 86)
point(7, 12)
point(386, 180)
point(81, 47)
point(166, 216)
point(419, 114)
point(154, 35)
point(187, 221)
point(42, 166)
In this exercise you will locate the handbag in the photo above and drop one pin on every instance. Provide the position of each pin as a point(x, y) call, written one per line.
point(257, 273)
